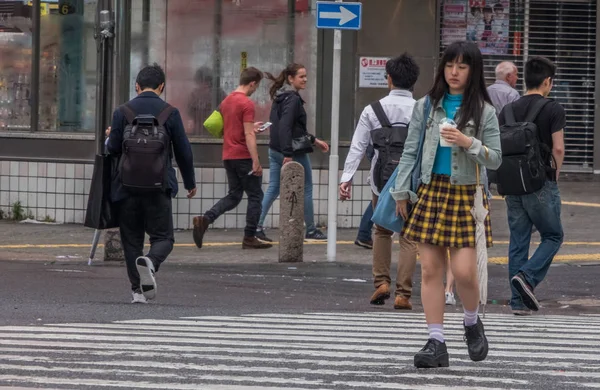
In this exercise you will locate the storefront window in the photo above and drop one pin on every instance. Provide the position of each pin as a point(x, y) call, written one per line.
point(68, 67)
point(15, 65)
point(205, 44)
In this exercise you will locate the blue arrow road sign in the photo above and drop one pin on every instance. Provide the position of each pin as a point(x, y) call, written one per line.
point(338, 15)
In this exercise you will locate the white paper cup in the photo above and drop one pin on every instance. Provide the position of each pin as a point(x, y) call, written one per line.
point(443, 141)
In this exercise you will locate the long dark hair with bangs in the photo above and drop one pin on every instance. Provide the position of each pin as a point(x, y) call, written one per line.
point(475, 94)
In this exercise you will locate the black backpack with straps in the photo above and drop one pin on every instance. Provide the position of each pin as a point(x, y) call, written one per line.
point(146, 151)
point(388, 142)
point(524, 167)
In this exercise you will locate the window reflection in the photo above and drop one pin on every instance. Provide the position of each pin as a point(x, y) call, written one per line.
point(68, 68)
point(208, 42)
point(15, 65)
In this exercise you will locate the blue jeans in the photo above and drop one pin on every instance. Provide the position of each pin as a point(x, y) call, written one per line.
point(542, 210)
point(275, 164)
point(366, 225)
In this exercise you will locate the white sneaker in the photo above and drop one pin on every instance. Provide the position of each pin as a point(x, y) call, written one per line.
point(450, 300)
point(139, 298)
point(147, 282)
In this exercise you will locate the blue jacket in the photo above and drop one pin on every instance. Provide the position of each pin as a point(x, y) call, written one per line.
point(151, 103)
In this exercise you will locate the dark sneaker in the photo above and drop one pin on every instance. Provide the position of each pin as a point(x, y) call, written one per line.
point(200, 227)
point(255, 243)
point(315, 235)
point(147, 281)
point(476, 341)
point(525, 291)
point(433, 355)
point(260, 234)
point(521, 312)
point(364, 244)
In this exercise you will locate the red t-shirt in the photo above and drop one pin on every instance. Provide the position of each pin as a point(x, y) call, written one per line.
point(236, 109)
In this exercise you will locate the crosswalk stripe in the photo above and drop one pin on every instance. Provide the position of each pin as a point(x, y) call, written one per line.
point(321, 350)
point(379, 333)
point(217, 334)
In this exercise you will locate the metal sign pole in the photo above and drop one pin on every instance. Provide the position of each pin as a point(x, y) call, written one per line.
point(104, 35)
point(334, 157)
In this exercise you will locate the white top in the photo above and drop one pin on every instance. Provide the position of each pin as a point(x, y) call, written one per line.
point(398, 106)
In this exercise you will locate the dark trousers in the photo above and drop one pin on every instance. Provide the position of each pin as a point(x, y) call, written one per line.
point(140, 214)
point(240, 182)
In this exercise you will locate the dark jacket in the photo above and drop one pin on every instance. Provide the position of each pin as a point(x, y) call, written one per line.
point(289, 121)
point(150, 103)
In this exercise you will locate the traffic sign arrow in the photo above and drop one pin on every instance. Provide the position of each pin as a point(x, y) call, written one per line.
point(344, 15)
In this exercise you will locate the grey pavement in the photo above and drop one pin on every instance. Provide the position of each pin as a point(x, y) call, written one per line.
point(580, 213)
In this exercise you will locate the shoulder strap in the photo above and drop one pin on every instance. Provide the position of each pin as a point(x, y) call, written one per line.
point(381, 116)
point(128, 112)
point(534, 111)
point(426, 113)
point(427, 108)
point(165, 114)
point(509, 114)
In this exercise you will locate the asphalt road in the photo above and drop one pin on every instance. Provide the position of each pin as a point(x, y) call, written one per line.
point(261, 326)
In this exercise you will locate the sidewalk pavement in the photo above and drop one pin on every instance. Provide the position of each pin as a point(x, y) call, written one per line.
point(580, 214)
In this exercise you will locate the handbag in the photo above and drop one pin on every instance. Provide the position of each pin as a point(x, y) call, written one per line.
point(384, 214)
point(214, 124)
point(101, 213)
point(302, 145)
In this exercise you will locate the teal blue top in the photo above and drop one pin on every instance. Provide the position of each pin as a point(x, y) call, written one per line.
point(442, 164)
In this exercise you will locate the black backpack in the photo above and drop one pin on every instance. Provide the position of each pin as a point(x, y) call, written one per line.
point(388, 141)
point(523, 169)
point(146, 151)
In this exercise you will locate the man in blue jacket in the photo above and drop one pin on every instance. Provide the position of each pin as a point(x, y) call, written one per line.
point(151, 212)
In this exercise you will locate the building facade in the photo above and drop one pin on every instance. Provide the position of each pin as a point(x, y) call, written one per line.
point(47, 123)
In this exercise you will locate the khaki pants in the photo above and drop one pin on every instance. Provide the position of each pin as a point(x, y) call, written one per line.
point(382, 259)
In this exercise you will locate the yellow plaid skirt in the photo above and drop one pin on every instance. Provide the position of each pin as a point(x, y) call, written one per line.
point(442, 215)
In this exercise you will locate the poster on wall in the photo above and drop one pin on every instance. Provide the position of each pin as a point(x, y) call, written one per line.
point(487, 25)
point(454, 27)
point(372, 72)
point(484, 22)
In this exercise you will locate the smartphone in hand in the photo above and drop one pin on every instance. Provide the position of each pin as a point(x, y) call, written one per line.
point(265, 126)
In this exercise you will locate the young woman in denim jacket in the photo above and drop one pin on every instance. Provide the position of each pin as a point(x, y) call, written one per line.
point(441, 209)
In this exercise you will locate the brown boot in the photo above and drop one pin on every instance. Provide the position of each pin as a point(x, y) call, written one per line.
point(381, 294)
point(402, 303)
point(200, 227)
point(255, 243)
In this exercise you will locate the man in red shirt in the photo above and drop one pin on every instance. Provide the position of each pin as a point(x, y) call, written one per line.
point(240, 158)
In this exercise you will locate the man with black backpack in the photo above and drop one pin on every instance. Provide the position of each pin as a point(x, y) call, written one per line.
point(384, 124)
point(533, 150)
point(145, 133)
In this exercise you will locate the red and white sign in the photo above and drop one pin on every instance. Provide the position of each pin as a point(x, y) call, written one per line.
point(372, 72)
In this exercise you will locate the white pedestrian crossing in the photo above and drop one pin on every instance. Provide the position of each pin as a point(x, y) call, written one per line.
point(370, 350)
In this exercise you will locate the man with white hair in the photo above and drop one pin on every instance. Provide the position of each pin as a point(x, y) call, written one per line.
point(503, 90)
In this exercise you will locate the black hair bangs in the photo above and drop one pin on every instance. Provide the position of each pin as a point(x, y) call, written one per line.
point(461, 52)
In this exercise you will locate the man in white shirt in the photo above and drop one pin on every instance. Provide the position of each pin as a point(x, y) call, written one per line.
point(503, 90)
point(401, 73)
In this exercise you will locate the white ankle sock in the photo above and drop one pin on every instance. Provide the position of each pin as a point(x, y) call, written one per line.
point(471, 317)
point(436, 332)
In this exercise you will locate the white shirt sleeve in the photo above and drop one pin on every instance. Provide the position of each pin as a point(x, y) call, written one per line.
point(358, 148)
